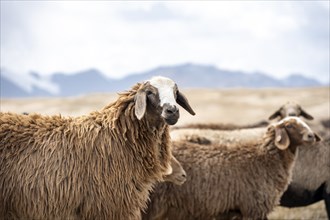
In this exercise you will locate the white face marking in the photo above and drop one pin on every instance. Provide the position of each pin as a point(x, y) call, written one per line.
point(165, 88)
point(298, 120)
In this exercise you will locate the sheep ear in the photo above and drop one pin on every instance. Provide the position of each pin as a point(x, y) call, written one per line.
point(182, 100)
point(275, 114)
point(140, 104)
point(317, 137)
point(306, 115)
point(282, 140)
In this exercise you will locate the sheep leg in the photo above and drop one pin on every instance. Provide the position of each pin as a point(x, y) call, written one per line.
point(296, 197)
point(327, 202)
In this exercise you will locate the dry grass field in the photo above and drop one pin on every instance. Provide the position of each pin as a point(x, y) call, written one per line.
point(239, 106)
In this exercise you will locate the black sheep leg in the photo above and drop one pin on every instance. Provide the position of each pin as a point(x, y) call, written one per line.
point(326, 197)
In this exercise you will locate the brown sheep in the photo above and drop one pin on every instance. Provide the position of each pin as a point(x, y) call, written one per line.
point(248, 179)
point(311, 176)
point(98, 166)
point(288, 109)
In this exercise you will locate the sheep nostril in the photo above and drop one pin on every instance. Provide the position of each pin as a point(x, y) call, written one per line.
point(310, 136)
point(171, 110)
point(184, 175)
point(292, 114)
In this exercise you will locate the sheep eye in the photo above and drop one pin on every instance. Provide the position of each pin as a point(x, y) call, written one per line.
point(149, 92)
point(288, 126)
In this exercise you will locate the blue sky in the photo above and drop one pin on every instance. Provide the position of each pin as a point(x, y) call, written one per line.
point(118, 38)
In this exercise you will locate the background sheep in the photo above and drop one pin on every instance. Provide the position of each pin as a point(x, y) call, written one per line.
point(246, 178)
point(311, 173)
point(231, 133)
point(99, 166)
point(311, 177)
point(288, 109)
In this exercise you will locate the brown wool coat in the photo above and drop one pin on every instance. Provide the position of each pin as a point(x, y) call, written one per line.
point(98, 166)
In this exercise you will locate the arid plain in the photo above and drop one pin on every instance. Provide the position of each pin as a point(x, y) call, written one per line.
point(236, 106)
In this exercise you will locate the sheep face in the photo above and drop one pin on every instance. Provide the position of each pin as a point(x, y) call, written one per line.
point(160, 95)
point(290, 109)
point(178, 175)
point(293, 131)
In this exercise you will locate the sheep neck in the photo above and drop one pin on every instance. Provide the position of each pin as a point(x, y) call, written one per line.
point(147, 140)
point(287, 157)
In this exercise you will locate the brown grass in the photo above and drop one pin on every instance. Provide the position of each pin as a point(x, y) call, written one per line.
point(239, 106)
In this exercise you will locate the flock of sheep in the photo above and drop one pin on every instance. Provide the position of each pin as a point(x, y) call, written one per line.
point(124, 162)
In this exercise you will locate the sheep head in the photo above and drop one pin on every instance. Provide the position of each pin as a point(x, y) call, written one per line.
point(290, 109)
point(160, 95)
point(293, 131)
point(178, 175)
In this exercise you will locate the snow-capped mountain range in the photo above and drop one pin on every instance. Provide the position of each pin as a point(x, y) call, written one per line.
point(186, 76)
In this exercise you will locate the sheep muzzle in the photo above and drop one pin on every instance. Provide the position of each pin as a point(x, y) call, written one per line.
point(170, 114)
point(311, 137)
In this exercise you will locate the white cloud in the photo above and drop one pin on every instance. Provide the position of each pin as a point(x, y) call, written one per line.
point(119, 38)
